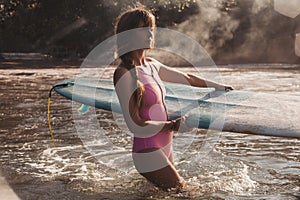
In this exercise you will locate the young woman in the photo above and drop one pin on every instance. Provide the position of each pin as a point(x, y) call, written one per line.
point(138, 83)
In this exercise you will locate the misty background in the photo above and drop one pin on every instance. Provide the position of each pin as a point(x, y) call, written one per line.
point(232, 31)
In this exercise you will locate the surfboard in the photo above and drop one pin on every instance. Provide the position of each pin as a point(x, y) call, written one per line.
point(230, 111)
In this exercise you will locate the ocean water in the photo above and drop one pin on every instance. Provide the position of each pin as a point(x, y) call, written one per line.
point(93, 162)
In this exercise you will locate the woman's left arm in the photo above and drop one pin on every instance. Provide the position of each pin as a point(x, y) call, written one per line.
point(174, 76)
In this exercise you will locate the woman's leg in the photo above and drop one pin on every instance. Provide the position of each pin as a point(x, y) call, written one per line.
point(171, 158)
point(154, 165)
point(165, 178)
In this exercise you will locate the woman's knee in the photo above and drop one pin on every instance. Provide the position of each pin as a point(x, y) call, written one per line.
point(165, 178)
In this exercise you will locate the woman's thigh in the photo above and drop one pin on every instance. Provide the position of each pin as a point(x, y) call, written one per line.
point(157, 168)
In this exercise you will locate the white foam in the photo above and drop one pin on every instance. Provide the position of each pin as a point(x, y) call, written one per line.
point(231, 180)
point(63, 163)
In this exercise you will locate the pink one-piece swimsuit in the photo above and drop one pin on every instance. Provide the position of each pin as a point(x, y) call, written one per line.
point(153, 109)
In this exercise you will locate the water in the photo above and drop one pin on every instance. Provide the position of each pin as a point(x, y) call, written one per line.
point(238, 166)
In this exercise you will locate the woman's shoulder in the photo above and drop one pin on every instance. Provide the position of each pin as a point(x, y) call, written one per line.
point(119, 72)
point(120, 69)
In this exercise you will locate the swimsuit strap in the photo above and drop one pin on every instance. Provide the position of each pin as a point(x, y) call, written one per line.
point(152, 73)
point(159, 85)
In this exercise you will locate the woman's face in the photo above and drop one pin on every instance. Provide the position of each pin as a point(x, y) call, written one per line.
point(144, 35)
point(141, 37)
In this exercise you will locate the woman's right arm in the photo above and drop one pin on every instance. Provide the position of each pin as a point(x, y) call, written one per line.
point(124, 85)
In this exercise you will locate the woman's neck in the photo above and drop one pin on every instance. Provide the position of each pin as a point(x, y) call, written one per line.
point(138, 57)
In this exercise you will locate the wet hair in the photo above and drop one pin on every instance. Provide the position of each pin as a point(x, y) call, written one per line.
point(131, 19)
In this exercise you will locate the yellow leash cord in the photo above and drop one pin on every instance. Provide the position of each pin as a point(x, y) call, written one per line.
point(49, 119)
point(49, 100)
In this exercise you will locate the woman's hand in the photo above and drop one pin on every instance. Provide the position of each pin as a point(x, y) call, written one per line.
point(176, 123)
point(228, 87)
point(180, 125)
point(224, 87)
